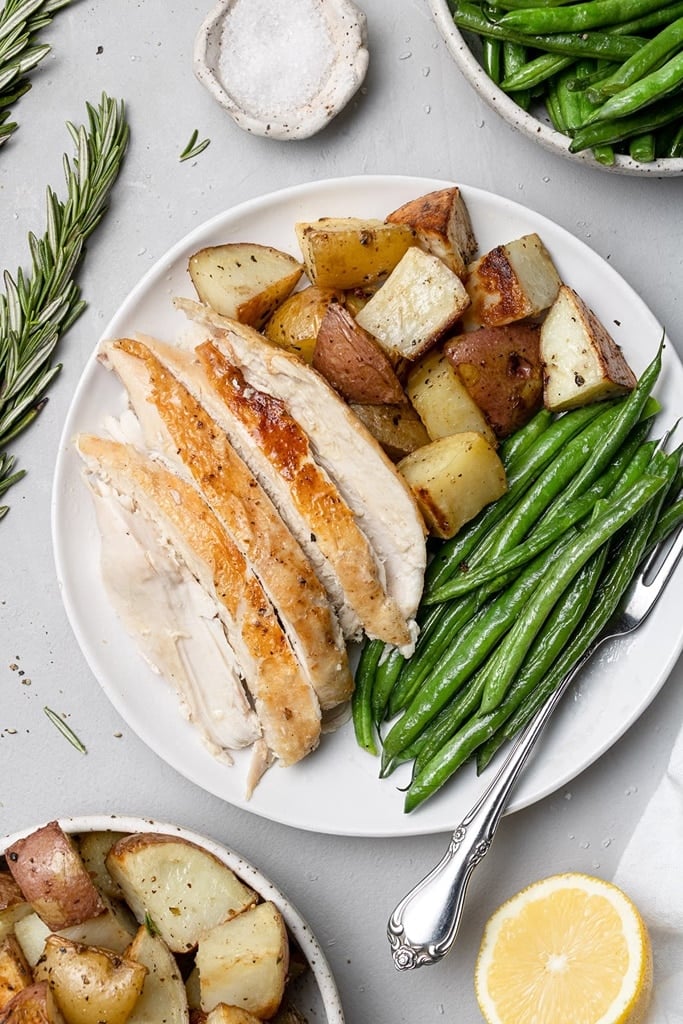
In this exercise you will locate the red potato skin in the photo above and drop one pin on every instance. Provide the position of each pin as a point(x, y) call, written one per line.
point(49, 871)
point(353, 362)
point(501, 368)
point(33, 1005)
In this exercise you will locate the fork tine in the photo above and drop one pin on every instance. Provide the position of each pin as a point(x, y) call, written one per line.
point(644, 593)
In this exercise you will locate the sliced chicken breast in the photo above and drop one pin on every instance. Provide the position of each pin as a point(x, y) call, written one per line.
point(178, 428)
point(278, 453)
point(173, 622)
point(285, 702)
point(379, 498)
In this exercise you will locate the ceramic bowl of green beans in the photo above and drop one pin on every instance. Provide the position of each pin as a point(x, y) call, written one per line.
point(597, 81)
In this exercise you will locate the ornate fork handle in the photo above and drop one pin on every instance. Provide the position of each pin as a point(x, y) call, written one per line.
point(424, 925)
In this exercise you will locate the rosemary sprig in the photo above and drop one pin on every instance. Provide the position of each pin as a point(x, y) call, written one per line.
point(20, 23)
point(194, 148)
point(39, 306)
point(65, 730)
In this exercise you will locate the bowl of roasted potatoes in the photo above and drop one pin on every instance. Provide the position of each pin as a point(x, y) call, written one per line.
point(121, 919)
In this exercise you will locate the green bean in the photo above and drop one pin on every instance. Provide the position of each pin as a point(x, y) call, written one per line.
point(473, 644)
point(512, 650)
point(456, 615)
point(558, 477)
point(609, 132)
point(651, 56)
point(445, 750)
point(629, 464)
point(610, 45)
point(535, 71)
point(388, 669)
point(634, 541)
point(361, 707)
point(602, 69)
point(675, 145)
point(516, 444)
point(670, 520)
point(653, 19)
point(514, 58)
point(577, 17)
point(492, 59)
point(646, 90)
point(520, 472)
point(461, 708)
point(516, 5)
point(642, 148)
point(628, 415)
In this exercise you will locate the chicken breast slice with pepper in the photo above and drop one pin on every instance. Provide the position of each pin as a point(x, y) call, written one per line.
point(278, 453)
point(177, 427)
point(284, 700)
point(379, 498)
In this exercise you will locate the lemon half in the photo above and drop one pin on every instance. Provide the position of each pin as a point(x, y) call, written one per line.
point(569, 949)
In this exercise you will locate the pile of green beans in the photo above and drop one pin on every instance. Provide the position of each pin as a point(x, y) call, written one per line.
point(513, 601)
point(610, 72)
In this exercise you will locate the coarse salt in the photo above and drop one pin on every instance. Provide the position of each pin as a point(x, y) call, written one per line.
point(274, 59)
point(283, 70)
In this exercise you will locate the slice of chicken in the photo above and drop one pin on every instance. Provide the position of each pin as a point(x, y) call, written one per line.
point(378, 496)
point(178, 428)
point(174, 623)
point(284, 701)
point(278, 453)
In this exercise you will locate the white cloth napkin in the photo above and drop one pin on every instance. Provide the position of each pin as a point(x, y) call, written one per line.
point(650, 864)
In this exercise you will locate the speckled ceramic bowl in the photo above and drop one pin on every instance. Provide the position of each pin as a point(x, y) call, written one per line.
point(316, 995)
point(282, 70)
point(538, 128)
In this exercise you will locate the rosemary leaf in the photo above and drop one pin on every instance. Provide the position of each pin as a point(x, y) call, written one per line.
point(194, 148)
point(20, 23)
point(65, 730)
point(38, 306)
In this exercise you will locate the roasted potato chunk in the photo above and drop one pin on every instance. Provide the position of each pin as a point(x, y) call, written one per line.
point(91, 985)
point(442, 401)
point(295, 323)
point(183, 888)
point(13, 905)
point(15, 973)
point(453, 478)
point(511, 282)
point(33, 1005)
point(501, 369)
point(421, 301)
point(243, 280)
point(244, 961)
point(223, 1014)
point(353, 362)
point(398, 428)
point(93, 848)
point(163, 996)
point(351, 252)
point(49, 871)
point(581, 361)
point(442, 224)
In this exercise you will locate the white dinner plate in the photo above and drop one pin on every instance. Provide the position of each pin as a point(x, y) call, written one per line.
point(337, 789)
point(315, 993)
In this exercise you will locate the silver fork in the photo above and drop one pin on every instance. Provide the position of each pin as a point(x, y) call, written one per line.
point(424, 925)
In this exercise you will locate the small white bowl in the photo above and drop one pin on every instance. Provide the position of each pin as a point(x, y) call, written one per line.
point(282, 70)
point(539, 128)
point(317, 996)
